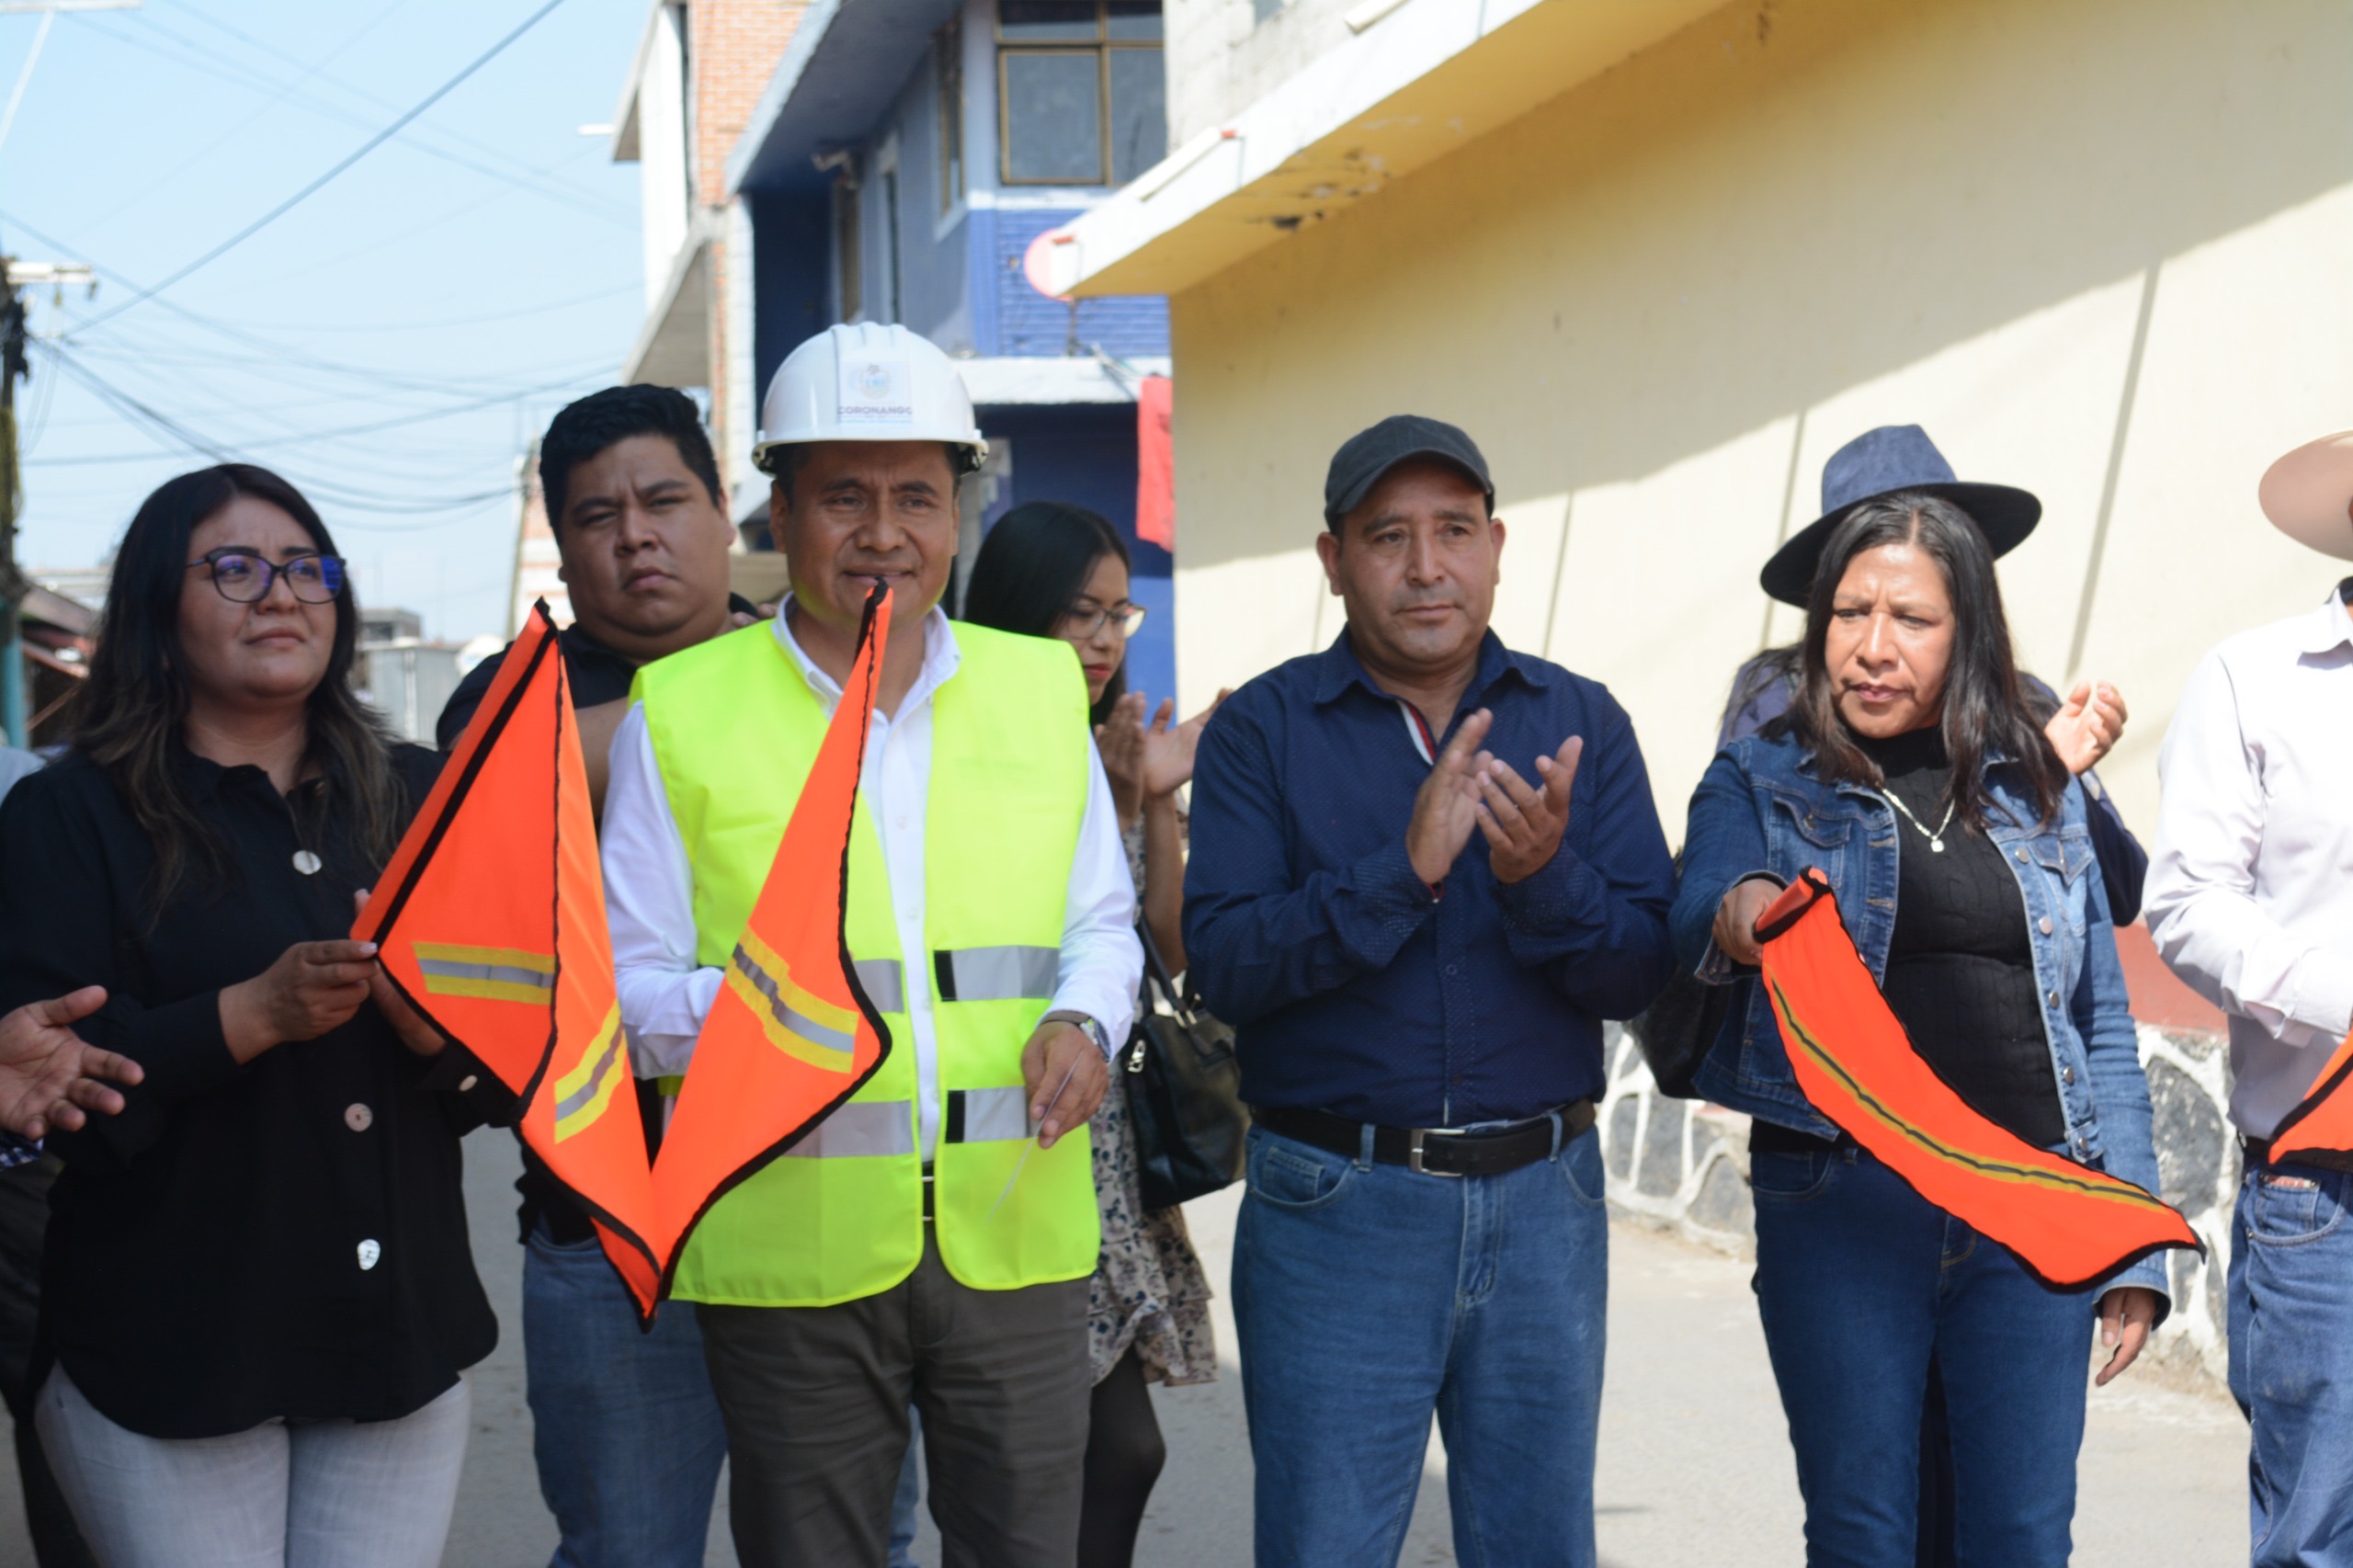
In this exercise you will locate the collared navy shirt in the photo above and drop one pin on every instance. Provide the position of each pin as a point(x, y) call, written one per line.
point(1351, 988)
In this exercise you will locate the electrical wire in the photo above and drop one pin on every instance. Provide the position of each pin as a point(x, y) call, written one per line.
point(376, 378)
point(199, 445)
point(356, 90)
point(386, 134)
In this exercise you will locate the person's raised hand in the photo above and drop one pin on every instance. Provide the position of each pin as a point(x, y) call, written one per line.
point(1744, 904)
point(1061, 1055)
point(1120, 740)
point(312, 988)
point(2127, 1315)
point(1446, 808)
point(49, 1075)
point(415, 1033)
point(2087, 725)
point(1523, 823)
point(1168, 749)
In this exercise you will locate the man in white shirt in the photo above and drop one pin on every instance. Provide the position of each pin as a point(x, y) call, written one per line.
point(2250, 899)
point(918, 1245)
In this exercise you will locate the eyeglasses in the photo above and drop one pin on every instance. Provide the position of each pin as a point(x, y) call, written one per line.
point(1085, 619)
point(243, 577)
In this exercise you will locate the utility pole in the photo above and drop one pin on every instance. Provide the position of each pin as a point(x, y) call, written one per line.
point(14, 368)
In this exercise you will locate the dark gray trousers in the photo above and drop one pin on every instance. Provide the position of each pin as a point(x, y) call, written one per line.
point(817, 1398)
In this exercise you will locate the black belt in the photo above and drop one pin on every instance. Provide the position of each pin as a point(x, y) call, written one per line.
point(2258, 1152)
point(1430, 1151)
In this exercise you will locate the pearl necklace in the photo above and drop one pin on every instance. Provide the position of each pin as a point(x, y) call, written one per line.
point(1936, 840)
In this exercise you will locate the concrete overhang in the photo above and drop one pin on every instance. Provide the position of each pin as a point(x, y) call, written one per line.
point(673, 348)
point(1011, 382)
point(625, 114)
point(1415, 83)
point(845, 64)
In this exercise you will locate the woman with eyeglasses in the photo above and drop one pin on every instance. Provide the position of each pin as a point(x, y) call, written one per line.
point(1052, 570)
point(258, 1292)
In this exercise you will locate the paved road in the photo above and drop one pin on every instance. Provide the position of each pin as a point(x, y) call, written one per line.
point(1694, 1467)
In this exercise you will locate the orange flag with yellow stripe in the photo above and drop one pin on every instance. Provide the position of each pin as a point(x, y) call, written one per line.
point(2069, 1224)
point(491, 921)
point(791, 1034)
point(2322, 1122)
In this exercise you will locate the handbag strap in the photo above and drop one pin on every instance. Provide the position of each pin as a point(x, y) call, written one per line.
point(1179, 1001)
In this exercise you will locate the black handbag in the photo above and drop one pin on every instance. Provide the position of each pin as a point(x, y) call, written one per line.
point(1677, 1031)
point(1184, 1092)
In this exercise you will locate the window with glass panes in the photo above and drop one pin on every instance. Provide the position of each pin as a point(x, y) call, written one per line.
point(1081, 94)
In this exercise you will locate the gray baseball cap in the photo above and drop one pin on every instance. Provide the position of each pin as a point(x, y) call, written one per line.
point(1364, 457)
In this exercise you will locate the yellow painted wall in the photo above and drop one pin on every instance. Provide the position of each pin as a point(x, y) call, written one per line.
point(1662, 301)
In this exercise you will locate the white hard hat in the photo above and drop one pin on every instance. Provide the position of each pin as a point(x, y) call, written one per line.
point(866, 381)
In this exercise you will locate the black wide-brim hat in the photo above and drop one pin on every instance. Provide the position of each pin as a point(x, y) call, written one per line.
point(1891, 461)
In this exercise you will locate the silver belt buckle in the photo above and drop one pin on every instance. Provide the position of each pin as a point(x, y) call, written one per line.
point(1414, 1158)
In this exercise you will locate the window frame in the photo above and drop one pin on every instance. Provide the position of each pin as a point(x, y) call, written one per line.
point(1101, 47)
point(947, 103)
point(849, 248)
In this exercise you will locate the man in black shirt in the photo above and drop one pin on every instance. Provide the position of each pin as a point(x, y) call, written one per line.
point(628, 1433)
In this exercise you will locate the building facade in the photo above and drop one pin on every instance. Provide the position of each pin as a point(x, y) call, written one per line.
point(900, 165)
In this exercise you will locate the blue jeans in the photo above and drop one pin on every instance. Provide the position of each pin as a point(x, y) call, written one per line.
point(1861, 1283)
point(2291, 1362)
point(626, 1430)
point(1367, 1297)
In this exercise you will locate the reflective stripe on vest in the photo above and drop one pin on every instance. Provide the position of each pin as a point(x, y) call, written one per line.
point(885, 983)
point(859, 1128)
point(987, 1115)
point(996, 974)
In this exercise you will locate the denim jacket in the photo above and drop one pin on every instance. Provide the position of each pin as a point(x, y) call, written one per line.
point(1760, 808)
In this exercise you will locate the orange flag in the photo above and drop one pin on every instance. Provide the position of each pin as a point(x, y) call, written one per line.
point(2067, 1224)
point(491, 921)
point(2322, 1122)
point(791, 1034)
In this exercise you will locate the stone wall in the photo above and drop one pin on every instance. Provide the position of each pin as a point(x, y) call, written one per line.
point(1683, 1165)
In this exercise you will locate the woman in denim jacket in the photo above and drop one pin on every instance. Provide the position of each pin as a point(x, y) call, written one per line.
point(1910, 772)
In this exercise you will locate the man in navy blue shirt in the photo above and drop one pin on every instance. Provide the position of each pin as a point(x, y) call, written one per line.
point(1425, 869)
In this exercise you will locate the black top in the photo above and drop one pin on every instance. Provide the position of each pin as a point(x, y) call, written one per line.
point(284, 1238)
point(1959, 965)
point(598, 675)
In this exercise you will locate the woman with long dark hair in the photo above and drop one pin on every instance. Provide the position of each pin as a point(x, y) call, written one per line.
point(1911, 769)
point(259, 1291)
point(1050, 570)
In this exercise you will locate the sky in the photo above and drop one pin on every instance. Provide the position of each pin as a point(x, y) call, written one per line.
point(390, 343)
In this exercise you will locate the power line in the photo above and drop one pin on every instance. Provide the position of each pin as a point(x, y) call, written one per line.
point(195, 57)
point(258, 224)
point(203, 446)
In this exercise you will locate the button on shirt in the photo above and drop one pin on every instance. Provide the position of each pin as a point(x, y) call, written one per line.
point(649, 882)
point(1351, 989)
point(2249, 895)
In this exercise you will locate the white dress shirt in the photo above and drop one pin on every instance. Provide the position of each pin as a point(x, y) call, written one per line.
point(648, 883)
point(2250, 886)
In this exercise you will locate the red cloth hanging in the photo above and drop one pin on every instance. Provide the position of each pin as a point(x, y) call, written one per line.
point(1156, 464)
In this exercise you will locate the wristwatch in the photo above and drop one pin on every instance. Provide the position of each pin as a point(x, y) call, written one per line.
point(1095, 1030)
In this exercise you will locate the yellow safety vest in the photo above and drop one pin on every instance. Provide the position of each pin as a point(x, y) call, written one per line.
point(735, 728)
